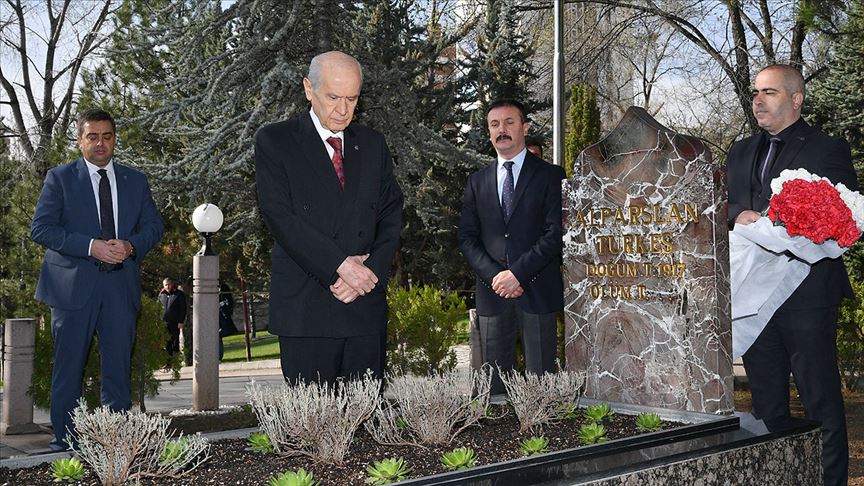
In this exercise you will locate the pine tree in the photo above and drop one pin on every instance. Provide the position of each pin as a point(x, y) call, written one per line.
point(220, 74)
point(583, 123)
point(499, 68)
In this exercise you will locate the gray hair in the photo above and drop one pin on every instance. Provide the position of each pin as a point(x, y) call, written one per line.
point(318, 62)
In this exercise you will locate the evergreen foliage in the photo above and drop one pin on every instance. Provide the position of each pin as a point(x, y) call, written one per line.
point(210, 77)
point(583, 123)
point(423, 325)
point(835, 102)
point(500, 67)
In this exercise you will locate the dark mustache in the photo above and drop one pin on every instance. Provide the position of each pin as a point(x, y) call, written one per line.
point(502, 137)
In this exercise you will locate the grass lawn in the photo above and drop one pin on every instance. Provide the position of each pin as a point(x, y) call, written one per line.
point(264, 346)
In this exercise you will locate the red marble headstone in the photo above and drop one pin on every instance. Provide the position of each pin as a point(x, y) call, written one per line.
point(646, 260)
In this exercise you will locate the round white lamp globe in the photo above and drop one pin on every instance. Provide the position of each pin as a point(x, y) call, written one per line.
point(207, 218)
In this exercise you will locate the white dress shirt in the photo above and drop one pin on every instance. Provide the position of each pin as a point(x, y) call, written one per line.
point(94, 180)
point(518, 160)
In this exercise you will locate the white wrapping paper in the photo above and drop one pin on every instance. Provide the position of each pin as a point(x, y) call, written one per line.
point(766, 265)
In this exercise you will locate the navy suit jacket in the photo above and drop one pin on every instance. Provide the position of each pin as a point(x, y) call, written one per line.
point(809, 148)
point(316, 225)
point(66, 219)
point(532, 237)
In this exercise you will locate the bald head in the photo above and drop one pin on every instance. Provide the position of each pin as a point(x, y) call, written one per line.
point(331, 59)
point(793, 80)
point(778, 96)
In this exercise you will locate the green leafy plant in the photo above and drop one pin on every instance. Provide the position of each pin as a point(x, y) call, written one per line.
point(423, 324)
point(648, 422)
point(259, 442)
point(534, 445)
point(401, 423)
point(598, 412)
point(69, 469)
point(569, 410)
point(294, 478)
point(459, 458)
point(592, 433)
point(387, 471)
point(174, 451)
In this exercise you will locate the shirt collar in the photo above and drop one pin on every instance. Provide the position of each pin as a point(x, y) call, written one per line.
point(93, 168)
point(323, 132)
point(518, 159)
point(786, 134)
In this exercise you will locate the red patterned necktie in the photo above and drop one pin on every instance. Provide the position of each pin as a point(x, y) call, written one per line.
point(336, 143)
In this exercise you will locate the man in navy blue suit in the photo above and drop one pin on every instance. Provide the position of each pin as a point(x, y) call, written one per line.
point(510, 234)
point(96, 220)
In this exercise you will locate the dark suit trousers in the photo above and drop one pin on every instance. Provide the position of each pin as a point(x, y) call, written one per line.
point(498, 341)
point(803, 342)
point(112, 317)
point(321, 359)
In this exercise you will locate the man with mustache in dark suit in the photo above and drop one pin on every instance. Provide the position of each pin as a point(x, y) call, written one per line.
point(510, 234)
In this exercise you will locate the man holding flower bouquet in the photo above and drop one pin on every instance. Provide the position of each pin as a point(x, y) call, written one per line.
point(800, 337)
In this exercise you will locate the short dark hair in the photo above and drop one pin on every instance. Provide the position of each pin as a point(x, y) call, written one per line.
point(94, 114)
point(508, 102)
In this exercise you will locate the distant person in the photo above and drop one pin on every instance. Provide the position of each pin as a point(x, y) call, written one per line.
point(226, 316)
point(801, 336)
point(97, 220)
point(173, 302)
point(510, 234)
point(329, 197)
point(535, 146)
point(186, 332)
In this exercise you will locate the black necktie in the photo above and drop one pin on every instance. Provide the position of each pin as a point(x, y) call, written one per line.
point(106, 206)
point(507, 192)
point(773, 149)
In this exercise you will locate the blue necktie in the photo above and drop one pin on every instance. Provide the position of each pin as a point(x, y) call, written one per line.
point(507, 192)
point(769, 159)
point(106, 206)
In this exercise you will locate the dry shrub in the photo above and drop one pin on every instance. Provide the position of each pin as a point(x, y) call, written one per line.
point(539, 399)
point(128, 446)
point(429, 410)
point(314, 419)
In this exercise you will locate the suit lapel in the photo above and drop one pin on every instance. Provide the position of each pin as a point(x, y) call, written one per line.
point(124, 201)
point(790, 152)
point(314, 151)
point(89, 198)
point(352, 164)
point(529, 167)
point(490, 183)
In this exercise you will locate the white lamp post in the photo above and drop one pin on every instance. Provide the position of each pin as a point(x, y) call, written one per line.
point(207, 219)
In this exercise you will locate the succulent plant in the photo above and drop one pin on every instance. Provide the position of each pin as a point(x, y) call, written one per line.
point(401, 422)
point(259, 442)
point(648, 422)
point(294, 478)
point(598, 412)
point(387, 471)
point(69, 469)
point(174, 451)
point(459, 458)
point(569, 410)
point(592, 433)
point(534, 445)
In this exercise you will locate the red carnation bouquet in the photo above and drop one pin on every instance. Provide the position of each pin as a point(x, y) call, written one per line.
point(810, 206)
point(809, 219)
